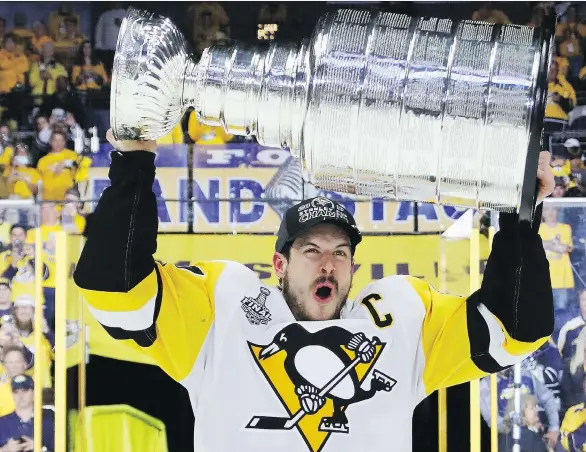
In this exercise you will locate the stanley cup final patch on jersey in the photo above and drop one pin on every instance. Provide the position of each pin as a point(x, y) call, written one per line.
point(317, 376)
point(255, 308)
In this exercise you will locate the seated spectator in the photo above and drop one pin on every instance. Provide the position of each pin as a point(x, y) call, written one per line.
point(67, 46)
point(573, 430)
point(39, 39)
point(14, 361)
point(61, 169)
point(531, 439)
point(206, 135)
point(56, 21)
point(73, 219)
point(44, 73)
point(88, 72)
point(486, 13)
point(563, 65)
point(23, 179)
point(13, 66)
point(17, 428)
point(63, 100)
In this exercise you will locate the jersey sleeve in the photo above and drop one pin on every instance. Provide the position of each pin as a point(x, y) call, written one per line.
point(167, 316)
point(163, 310)
point(507, 319)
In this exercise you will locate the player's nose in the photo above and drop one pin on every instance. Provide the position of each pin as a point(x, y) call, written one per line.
point(327, 265)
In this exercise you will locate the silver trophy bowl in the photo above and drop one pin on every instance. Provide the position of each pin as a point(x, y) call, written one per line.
point(373, 104)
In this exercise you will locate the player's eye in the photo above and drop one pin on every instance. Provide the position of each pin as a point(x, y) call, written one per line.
point(312, 250)
point(341, 253)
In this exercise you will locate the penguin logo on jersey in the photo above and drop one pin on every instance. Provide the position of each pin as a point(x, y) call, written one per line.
point(317, 376)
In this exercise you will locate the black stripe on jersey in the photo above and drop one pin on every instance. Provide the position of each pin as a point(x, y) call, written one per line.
point(148, 336)
point(479, 338)
point(193, 269)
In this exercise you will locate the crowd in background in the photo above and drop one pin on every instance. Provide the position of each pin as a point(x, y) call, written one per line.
point(54, 90)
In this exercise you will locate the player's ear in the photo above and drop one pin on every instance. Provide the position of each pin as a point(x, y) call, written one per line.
point(279, 265)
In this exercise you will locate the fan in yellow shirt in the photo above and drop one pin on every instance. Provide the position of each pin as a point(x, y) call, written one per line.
point(61, 169)
point(6, 148)
point(88, 73)
point(558, 244)
point(73, 219)
point(23, 180)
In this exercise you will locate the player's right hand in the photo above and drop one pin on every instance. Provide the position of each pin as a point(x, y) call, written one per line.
point(128, 146)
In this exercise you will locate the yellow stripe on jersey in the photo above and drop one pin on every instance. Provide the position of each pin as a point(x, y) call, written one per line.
point(181, 310)
point(448, 344)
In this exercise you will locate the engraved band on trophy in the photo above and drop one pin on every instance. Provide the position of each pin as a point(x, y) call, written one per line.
point(375, 104)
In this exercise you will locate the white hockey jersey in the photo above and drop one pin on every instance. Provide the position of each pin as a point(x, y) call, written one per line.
point(260, 381)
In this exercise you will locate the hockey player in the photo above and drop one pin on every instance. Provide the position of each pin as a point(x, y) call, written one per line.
point(300, 366)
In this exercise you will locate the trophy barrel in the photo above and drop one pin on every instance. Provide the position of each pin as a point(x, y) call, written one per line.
point(426, 109)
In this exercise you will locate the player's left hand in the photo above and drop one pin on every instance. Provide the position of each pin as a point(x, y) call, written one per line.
point(545, 176)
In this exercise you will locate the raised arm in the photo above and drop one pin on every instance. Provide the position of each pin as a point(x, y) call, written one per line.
point(163, 310)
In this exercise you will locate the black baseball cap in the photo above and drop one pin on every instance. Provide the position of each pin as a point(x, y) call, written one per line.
point(303, 216)
point(22, 382)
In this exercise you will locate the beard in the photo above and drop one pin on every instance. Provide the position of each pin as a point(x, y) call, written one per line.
point(297, 306)
point(24, 326)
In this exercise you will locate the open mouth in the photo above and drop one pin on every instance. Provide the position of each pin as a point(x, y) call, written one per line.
point(324, 293)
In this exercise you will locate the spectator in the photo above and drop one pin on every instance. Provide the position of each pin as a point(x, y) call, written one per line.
point(60, 102)
point(39, 39)
point(23, 313)
point(23, 179)
point(106, 34)
point(67, 47)
point(40, 144)
point(88, 73)
point(571, 329)
point(73, 219)
point(573, 375)
point(56, 21)
point(571, 48)
point(6, 148)
point(573, 430)
point(13, 66)
point(561, 96)
point(61, 169)
point(530, 384)
point(570, 24)
point(15, 248)
point(531, 439)
point(549, 368)
point(486, 13)
point(17, 428)
point(558, 244)
point(44, 73)
point(5, 298)
point(208, 19)
point(561, 187)
point(14, 360)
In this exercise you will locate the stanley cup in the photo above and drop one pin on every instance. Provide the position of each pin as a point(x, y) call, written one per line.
point(373, 104)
